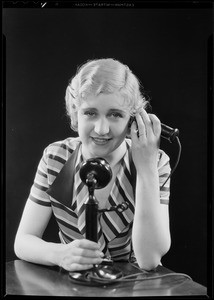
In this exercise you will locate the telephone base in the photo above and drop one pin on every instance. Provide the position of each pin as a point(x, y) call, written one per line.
point(99, 275)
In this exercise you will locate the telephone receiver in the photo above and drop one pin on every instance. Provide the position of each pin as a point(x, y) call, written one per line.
point(167, 132)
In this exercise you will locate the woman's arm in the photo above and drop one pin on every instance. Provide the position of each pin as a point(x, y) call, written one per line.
point(29, 245)
point(151, 234)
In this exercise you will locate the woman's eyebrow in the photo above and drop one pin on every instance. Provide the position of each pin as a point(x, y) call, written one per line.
point(89, 108)
point(117, 110)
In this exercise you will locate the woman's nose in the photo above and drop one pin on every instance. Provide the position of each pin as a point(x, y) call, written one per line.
point(101, 126)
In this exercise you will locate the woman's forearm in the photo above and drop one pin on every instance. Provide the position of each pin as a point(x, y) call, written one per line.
point(33, 249)
point(151, 236)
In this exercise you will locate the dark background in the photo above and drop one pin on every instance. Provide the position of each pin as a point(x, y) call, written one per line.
point(166, 48)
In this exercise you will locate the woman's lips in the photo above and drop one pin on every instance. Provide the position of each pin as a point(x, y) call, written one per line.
point(100, 141)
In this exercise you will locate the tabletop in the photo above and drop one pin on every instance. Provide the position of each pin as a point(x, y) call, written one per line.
point(24, 278)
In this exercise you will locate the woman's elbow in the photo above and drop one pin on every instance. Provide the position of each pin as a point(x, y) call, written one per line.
point(18, 247)
point(150, 261)
point(148, 264)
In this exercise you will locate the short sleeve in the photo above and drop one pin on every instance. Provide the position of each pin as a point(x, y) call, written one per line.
point(40, 185)
point(164, 170)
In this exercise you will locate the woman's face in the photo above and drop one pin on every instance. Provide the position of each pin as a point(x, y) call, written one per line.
point(102, 124)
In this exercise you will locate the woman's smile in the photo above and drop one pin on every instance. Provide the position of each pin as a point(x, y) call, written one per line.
point(101, 141)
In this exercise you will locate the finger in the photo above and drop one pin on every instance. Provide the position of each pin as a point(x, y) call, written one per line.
point(134, 132)
point(145, 116)
point(86, 244)
point(156, 124)
point(147, 122)
point(141, 125)
point(86, 260)
point(78, 267)
point(88, 253)
point(79, 259)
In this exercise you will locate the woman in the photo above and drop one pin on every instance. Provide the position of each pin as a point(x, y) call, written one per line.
point(101, 99)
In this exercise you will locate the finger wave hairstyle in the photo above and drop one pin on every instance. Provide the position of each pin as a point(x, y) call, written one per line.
point(103, 76)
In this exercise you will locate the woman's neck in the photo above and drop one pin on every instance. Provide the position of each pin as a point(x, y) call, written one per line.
point(114, 157)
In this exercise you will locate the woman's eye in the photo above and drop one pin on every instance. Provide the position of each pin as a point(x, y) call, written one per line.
point(89, 113)
point(116, 115)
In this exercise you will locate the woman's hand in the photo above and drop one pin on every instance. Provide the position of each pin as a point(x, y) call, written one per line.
point(145, 137)
point(79, 255)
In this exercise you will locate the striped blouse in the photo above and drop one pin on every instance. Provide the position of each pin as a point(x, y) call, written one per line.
point(57, 184)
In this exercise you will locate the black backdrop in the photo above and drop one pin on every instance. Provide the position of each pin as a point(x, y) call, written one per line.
point(166, 48)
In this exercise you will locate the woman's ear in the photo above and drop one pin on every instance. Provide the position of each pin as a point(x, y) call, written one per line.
point(74, 121)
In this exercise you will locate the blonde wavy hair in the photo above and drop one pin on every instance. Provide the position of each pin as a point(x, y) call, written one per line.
point(107, 76)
